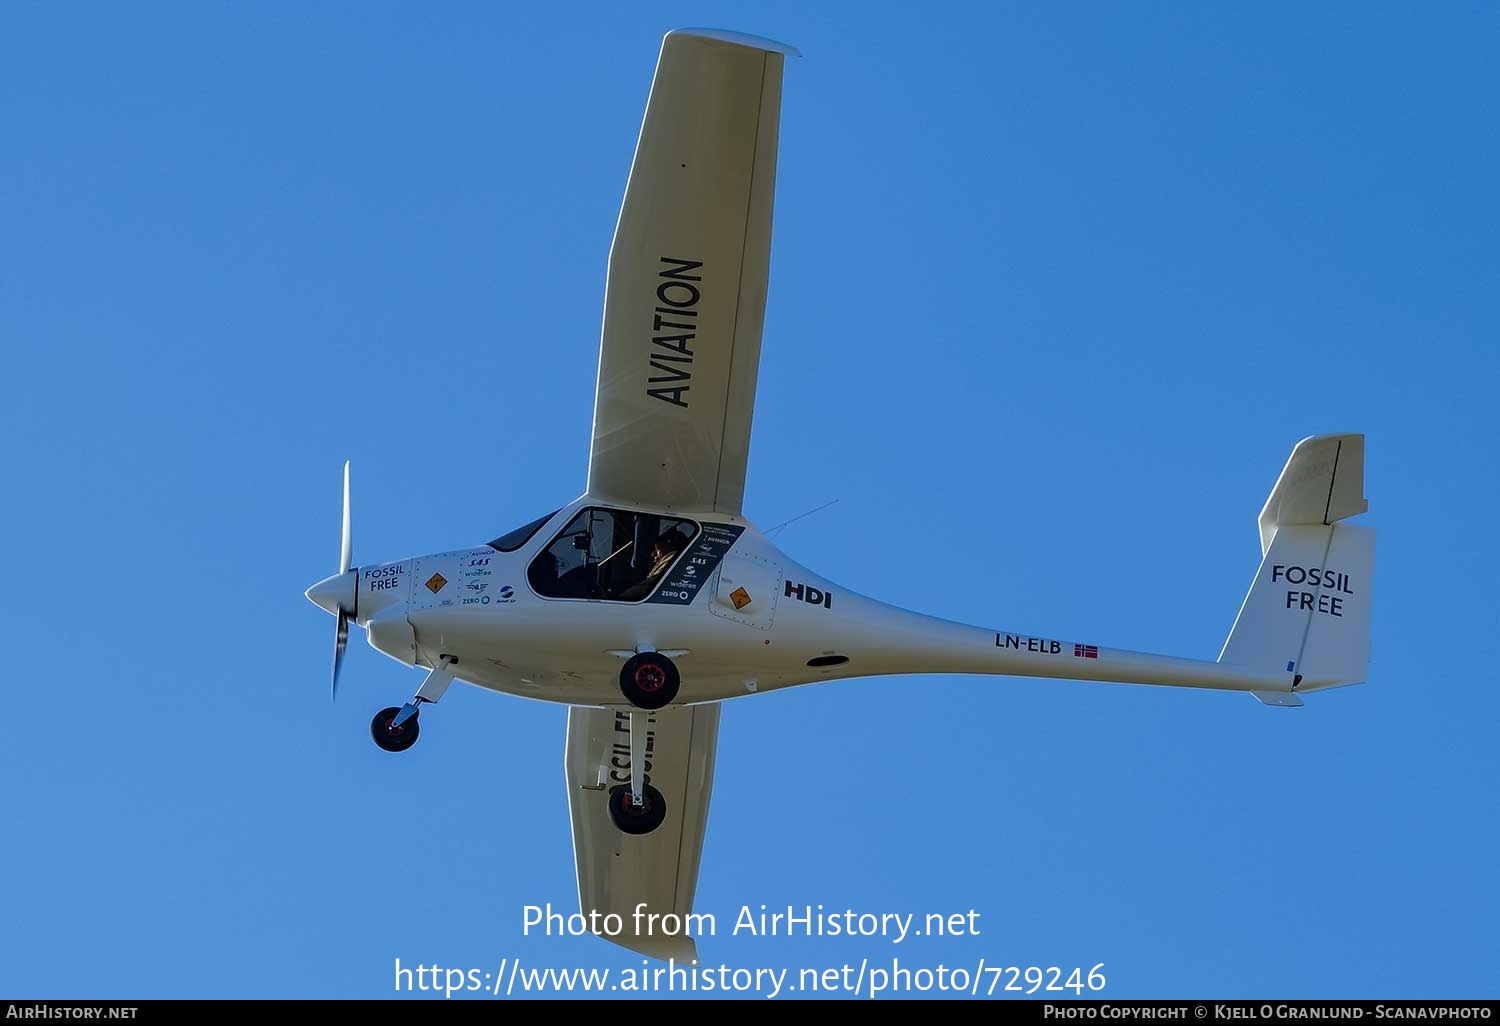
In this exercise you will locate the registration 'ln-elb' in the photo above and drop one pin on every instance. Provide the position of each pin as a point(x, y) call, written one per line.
point(649, 600)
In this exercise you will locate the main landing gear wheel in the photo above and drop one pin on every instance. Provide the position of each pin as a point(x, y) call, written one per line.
point(393, 739)
point(649, 680)
point(631, 818)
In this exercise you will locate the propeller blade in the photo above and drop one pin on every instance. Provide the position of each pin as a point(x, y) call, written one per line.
point(338, 651)
point(346, 550)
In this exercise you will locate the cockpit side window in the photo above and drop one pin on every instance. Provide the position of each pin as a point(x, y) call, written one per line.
point(610, 554)
point(521, 535)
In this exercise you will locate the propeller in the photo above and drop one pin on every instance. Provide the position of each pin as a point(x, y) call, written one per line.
point(346, 548)
point(346, 558)
point(339, 642)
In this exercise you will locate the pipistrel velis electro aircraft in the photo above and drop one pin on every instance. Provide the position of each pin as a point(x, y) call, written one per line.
point(649, 600)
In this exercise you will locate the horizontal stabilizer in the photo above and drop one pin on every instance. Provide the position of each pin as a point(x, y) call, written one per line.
point(1322, 483)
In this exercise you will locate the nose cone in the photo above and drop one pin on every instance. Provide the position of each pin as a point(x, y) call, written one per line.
point(335, 593)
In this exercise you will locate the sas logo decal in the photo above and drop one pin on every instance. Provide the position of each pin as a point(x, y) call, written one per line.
point(435, 583)
point(740, 597)
point(807, 593)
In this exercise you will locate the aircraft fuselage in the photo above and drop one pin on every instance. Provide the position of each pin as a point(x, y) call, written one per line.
point(735, 613)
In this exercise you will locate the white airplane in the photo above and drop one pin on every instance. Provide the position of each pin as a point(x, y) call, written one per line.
point(650, 599)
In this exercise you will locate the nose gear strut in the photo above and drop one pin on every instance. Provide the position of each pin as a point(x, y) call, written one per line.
point(395, 729)
point(637, 808)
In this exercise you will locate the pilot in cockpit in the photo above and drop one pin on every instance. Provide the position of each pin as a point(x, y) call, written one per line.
point(663, 552)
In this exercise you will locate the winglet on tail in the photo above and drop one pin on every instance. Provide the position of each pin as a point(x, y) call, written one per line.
point(1308, 610)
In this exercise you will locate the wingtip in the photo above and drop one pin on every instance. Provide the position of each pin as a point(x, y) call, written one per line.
point(681, 950)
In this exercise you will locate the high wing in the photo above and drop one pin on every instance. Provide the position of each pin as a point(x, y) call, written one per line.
point(618, 871)
point(686, 290)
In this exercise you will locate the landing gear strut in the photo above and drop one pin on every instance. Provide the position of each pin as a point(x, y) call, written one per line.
point(637, 807)
point(395, 729)
point(649, 680)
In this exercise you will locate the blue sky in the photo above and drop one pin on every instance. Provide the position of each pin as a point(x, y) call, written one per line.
point(1054, 291)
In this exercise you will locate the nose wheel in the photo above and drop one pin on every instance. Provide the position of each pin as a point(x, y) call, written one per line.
point(390, 735)
point(649, 680)
point(395, 729)
point(632, 818)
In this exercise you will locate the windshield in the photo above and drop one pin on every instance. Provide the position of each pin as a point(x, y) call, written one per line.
point(521, 535)
point(609, 554)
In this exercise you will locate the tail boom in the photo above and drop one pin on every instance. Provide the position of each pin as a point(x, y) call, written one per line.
point(910, 643)
point(1121, 666)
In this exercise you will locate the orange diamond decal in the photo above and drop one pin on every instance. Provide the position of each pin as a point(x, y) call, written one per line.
point(435, 583)
point(740, 597)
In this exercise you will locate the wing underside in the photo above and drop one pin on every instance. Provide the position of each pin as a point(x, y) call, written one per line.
point(686, 290)
point(617, 871)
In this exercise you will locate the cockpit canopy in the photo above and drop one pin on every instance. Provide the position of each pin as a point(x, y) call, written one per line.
point(605, 554)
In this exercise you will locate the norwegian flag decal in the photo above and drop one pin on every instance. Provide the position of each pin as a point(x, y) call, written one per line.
point(1085, 651)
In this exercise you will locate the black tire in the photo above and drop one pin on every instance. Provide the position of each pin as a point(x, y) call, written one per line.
point(398, 740)
point(630, 818)
point(649, 680)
